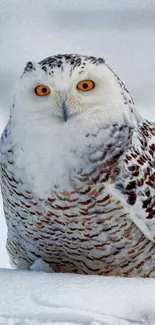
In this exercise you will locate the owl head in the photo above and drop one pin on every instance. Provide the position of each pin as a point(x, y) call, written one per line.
point(72, 88)
point(64, 110)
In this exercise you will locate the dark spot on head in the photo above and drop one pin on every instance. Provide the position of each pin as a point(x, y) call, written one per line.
point(44, 68)
point(100, 61)
point(68, 57)
point(29, 67)
point(75, 61)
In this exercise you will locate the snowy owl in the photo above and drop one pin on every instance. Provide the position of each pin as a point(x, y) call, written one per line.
point(78, 171)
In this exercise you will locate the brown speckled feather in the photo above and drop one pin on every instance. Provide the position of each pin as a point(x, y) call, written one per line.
point(78, 172)
point(98, 227)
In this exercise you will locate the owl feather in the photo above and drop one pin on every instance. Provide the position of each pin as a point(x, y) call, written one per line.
point(77, 166)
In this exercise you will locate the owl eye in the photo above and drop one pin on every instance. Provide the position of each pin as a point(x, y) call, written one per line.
point(85, 85)
point(42, 90)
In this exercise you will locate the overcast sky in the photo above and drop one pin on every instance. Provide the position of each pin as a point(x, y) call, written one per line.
point(120, 31)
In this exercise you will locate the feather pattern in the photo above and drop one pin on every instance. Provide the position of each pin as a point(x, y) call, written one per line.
point(103, 226)
point(102, 220)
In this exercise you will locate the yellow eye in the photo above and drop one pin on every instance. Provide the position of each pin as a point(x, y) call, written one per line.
point(85, 85)
point(42, 90)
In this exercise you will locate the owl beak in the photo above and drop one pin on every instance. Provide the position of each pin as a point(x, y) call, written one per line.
point(65, 112)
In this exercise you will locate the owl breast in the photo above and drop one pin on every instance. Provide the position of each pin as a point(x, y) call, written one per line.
point(83, 231)
point(51, 158)
point(84, 228)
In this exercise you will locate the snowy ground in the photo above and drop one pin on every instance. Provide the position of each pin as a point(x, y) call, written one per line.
point(123, 33)
point(53, 299)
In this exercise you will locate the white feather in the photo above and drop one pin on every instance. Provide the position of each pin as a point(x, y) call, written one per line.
point(47, 149)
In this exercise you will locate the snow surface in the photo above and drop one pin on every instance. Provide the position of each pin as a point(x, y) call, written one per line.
point(123, 33)
point(39, 298)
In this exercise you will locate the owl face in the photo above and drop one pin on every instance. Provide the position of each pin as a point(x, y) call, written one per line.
point(64, 109)
point(71, 87)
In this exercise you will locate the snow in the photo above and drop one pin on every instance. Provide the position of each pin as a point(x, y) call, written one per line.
point(43, 298)
point(123, 33)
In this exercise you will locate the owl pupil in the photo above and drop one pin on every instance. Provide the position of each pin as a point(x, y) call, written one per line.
point(44, 90)
point(85, 85)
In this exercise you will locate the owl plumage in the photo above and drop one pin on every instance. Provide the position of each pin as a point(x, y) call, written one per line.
point(78, 171)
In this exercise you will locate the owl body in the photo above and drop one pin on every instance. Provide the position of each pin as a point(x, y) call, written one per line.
point(78, 172)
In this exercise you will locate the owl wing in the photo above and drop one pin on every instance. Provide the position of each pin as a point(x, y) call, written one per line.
point(137, 179)
point(4, 139)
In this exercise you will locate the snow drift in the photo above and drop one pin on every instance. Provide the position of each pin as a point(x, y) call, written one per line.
point(37, 298)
